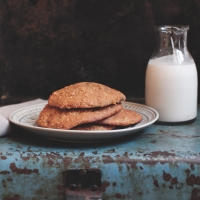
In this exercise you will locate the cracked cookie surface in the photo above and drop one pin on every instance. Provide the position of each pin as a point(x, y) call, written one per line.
point(52, 117)
point(85, 95)
point(124, 117)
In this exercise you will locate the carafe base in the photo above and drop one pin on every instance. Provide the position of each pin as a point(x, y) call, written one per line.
point(176, 123)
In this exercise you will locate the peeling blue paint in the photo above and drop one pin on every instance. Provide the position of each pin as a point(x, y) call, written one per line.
point(159, 162)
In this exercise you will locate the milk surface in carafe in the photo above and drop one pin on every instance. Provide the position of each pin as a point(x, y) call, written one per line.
point(171, 88)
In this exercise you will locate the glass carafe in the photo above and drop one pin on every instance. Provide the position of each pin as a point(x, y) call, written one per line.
point(171, 77)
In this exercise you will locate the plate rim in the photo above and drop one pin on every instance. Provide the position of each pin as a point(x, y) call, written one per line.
point(35, 129)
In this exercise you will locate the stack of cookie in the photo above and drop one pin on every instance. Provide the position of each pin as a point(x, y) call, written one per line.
point(86, 106)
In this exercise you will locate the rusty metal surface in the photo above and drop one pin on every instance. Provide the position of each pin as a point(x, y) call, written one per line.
point(160, 162)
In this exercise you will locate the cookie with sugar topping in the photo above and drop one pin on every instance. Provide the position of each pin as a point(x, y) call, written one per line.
point(53, 117)
point(85, 95)
point(94, 127)
point(124, 117)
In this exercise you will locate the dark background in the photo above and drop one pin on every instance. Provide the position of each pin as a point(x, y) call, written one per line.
point(48, 44)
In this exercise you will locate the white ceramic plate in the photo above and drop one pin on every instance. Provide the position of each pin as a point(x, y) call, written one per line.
point(26, 118)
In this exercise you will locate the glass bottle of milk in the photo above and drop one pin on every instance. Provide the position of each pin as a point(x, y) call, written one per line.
point(171, 77)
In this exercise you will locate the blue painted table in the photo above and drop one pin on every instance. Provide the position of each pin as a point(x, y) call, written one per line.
point(159, 162)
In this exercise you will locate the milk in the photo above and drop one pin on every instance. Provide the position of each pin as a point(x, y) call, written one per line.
point(171, 88)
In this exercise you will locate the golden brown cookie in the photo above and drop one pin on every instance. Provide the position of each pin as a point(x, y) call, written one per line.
point(124, 117)
point(85, 95)
point(94, 127)
point(52, 117)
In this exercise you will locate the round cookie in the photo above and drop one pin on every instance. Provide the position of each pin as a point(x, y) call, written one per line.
point(124, 117)
point(52, 117)
point(85, 95)
point(94, 127)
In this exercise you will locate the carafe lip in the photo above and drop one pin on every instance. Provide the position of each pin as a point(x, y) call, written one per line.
point(181, 28)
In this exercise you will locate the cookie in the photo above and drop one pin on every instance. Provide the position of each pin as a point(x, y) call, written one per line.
point(52, 117)
point(94, 127)
point(124, 117)
point(85, 95)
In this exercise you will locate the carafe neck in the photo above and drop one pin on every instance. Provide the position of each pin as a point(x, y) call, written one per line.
point(171, 40)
